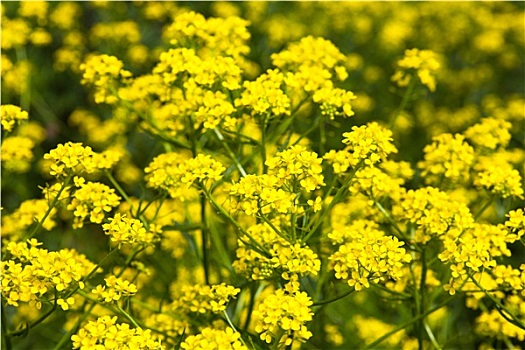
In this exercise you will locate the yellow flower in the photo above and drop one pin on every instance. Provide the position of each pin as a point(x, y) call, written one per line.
point(449, 157)
point(370, 143)
point(423, 62)
point(284, 314)
point(103, 72)
point(11, 115)
point(93, 200)
point(214, 339)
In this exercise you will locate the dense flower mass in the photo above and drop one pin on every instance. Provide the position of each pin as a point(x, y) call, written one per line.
point(262, 175)
point(12, 115)
point(106, 333)
point(282, 317)
point(424, 63)
point(214, 339)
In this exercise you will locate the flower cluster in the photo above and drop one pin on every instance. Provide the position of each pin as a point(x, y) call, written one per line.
point(218, 36)
point(285, 259)
point(198, 299)
point(11, 115)
point(34, 275)
point(261, 193)
point(123, 230)
point(73, 158)
point(226, 214)
point(103, 72)
point(29, 212)
point(334, 102)
point(498, 177)
point(214, 339)
point(114, 289)
point(17, 153)
point(447, 157)
point(490, 133)
point(424, 63)
point(281, 318)
point(296, 167)
point(106, 333)
point(433, 213)
point(367, 255)
point(265, 96)
point(369, 143)
point(175, 173)
point(93, 200)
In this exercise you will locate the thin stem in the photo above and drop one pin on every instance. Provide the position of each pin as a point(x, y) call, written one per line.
point(399, 294)
point(263, 145)
point(6, 341)
point(404, 102)
point(93, 271)
point(119, 189)
point(322, 137)
point(283, 126)
point(50, 208)
point(68, 335)
point(257, 246)
point(392, 221)
point(229, 151)
point(328, 301)
point(233, 327)
point(406, 324)
point(415, 319)
point(204, 239)
point(251, 305)
point(422, 296)
point(272, 226)
point(431, 336)
point(316, 222)
point(499, 306)
point(481, 210)
point(36, 322)
point(128, 316)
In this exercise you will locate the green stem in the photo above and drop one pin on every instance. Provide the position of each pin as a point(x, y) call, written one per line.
point(25, 96)
point(422, 296)
point(431, 336)
point(67, 336)
point(233, 327)
point(328, 301)
point(260, 249)
point(182, 227)
point(6, 341)
point(316, 222)
point(120, 190)
point(406, 324)
point(36, 322)
point(128, 316)
point(390, 291)
point(272, 226)
point(322, 137)
point(204, 239)
point(401, 234)
point(283, 126)
point(50, 208)
point(404, 102)
point(415, 319)
point(481, 210)
point(251, 305)
point(263, 145)
point(499, 306)
point(93, 271)
point(229, 151)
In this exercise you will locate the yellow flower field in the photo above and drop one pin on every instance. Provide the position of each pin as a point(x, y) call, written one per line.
point(262, 175)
